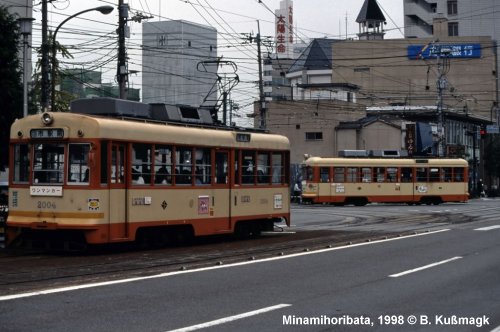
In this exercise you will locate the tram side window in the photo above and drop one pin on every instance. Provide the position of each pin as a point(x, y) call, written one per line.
point(48, 163)
point(263, 167)
point(324, 174)
point(338, 175)
point(248, 167)
point(458, 174)
point(352, 174)
point(141, 163)
point(78, 167)
point(183, 165)
point(277, 168)
point(434, 174)
point(117, 164)
point(104, 162)
point(392, 174)
point(421, 174)
point(379, 174)
point(163, 164)
point(366, 174)
point(21, 163)
point(406, 174)
point(203, 171)
point(446, 175)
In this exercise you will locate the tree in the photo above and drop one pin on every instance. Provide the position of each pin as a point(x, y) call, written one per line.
point(62, 98)
point(11, 88)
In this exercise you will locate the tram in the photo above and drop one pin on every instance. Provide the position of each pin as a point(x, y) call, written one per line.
point(103, 179)
point(360, 181)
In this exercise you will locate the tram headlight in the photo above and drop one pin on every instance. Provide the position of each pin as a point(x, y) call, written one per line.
point(47, 118)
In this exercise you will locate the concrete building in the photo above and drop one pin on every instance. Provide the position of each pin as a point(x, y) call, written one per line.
point(310, 124)
point(406, 71)
point(462, 18)
point(172, 61)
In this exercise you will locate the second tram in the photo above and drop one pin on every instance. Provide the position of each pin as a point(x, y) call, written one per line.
point(360, 181)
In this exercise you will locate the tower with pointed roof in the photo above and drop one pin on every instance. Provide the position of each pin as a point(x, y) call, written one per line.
point(371, 21)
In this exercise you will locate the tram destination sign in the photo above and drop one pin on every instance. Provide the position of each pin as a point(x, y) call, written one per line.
point(432, 51)
point(47, 133)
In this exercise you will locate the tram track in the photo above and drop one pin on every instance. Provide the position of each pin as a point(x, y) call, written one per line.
point(36, 271)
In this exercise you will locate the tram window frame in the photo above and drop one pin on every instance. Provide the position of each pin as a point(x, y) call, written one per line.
point(324, 174)
point(263, 167)
point(458, 174)
point(163, 162)
point(277, 166)
point(141, 164)
point(339, 174)
point(22, 163)
point(391, 174)
point(248, 167)
point(421, 174)
point(434, 174)
point(203, 170)
point(446, 174)
point(183, 165)
point(104, 162)
point(352, 174)
point(407, 174)
point(379, 174)
point(45, 170)
point(366, 174)
point(78, 164)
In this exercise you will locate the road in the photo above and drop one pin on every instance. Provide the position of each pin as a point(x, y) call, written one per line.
point(446, 279)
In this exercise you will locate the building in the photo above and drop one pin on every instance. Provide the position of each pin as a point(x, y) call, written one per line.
point(459, 18)
point(406, 72)
point(463, 17)
point(179, 61)
point(80, 83)
point(310, 76)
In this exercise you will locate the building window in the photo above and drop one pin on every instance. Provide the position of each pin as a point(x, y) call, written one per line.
point(314, 136)
point(453, 29)
point(452, 7)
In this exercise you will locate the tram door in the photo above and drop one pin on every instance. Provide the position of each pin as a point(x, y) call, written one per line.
point(118, 223)
point(222, 200)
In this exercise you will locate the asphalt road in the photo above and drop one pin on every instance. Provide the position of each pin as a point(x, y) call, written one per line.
point(443, 280)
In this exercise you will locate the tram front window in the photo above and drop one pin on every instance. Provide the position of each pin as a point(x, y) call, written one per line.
point(48, 163)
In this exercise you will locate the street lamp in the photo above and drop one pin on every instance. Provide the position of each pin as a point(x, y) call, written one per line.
point(25, 27)
point(103, 10)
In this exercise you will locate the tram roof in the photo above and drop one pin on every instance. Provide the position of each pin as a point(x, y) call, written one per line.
point(90, 126)
point(384, 162)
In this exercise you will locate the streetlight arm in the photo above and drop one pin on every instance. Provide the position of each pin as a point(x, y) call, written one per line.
point(103, 10)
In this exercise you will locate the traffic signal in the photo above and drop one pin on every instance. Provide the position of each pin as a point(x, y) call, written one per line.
point(482, 131)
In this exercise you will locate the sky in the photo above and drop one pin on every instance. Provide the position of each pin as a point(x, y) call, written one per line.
point(91, 37)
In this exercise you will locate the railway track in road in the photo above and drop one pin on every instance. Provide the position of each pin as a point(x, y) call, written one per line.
point(35, 271)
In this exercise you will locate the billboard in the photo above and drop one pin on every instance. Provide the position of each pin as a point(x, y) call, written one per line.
point(432, 51)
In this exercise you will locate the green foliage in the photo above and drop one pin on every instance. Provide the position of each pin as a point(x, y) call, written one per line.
point(11, 89)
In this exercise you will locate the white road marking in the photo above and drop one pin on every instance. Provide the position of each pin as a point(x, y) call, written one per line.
point(496, 329)
point(168, 274)
point(230, 318)
point(487, 228)
point(424, 267)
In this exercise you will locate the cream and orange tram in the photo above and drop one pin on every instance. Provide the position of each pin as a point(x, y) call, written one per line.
point(360, 181)
point(104, 180)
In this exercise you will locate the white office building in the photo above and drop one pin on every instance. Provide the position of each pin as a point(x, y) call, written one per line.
point(178, 63)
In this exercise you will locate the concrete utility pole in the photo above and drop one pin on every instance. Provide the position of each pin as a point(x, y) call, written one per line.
point(262, 101)
point(122, 72)
point(442, 84)
point(45, 60)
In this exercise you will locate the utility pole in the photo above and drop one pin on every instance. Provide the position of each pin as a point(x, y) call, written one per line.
point(122, 72)
point(45, 60)
point(442, 84)
point(262, 102)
